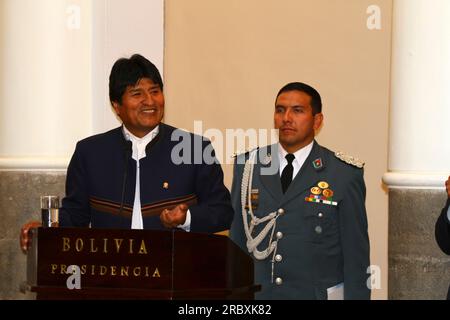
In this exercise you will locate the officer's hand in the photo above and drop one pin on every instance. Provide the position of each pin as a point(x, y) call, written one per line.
point(447, 185)
point(175, 217)
point(25, 235)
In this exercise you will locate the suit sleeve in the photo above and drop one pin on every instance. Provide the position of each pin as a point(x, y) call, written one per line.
point(442, 230)
point(213, 212)
point(75, 211)
point(355, 239)
point(237, 233)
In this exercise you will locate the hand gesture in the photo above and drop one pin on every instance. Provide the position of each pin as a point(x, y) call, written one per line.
point(175, 217)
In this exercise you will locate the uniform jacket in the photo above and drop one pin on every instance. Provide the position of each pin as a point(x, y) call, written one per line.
point(102, 172)
point(320, 245)
point(442, 232)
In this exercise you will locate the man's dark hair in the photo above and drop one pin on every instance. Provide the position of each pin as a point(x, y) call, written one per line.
point(316, 101)
point(127, 72)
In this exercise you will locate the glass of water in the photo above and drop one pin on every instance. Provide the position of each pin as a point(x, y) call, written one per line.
point(50, 211)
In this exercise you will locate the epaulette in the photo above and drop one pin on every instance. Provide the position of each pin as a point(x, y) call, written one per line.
point(349, 159)
point(238, 153)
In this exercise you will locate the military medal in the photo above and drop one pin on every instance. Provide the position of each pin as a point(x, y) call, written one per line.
point(328, 193)
point(316, 190)
point(322, 194)
point(254, 196)
point(254, 199)
point(323, 185)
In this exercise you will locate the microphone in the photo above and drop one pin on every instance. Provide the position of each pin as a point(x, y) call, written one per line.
point(127, 150)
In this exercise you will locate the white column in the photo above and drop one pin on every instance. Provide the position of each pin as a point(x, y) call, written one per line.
point(55, 61)
point(44, 81)
point(120, 29)
point(419, 150)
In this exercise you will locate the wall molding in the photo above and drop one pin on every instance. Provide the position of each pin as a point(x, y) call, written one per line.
point(34, 163)
point(415, 180)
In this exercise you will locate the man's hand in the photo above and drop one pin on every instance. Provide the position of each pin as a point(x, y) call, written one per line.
point(447, 185)
point(25, 236)
point(175, 217)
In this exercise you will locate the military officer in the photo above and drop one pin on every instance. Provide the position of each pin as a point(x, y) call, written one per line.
point(442, 229)
point(304, 222)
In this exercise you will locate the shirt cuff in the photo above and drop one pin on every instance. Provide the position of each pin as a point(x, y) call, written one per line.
point(187, 224)
point(448, 214)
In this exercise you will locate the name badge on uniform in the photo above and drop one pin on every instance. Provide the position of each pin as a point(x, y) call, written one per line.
point(254, 199)
point(322, 193)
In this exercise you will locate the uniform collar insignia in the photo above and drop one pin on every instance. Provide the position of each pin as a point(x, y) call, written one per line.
point(318, 164)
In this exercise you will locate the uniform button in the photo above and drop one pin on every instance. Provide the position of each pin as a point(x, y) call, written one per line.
point(279, 235)
point(318, 229)
point(320, 214)
point(281, 211)
point(278, 258)
point(279, 281)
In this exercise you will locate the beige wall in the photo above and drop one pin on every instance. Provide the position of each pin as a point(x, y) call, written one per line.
point(225, 60)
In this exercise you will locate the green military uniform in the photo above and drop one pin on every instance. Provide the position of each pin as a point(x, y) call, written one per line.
point(311, 238)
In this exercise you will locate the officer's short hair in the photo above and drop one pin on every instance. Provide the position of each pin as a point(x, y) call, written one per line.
point(316, 101)
point(127, 72)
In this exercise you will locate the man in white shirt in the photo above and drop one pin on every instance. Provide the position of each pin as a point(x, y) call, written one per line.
point(128, 177)
point(305, 222)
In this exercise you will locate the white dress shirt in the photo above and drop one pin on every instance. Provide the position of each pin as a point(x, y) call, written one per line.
point(300, 158)
point(139, 145)
point(448, 214)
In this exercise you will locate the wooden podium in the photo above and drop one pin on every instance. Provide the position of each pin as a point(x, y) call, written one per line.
point(137, 264)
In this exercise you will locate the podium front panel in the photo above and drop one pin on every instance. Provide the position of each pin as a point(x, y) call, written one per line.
point(106, 258)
